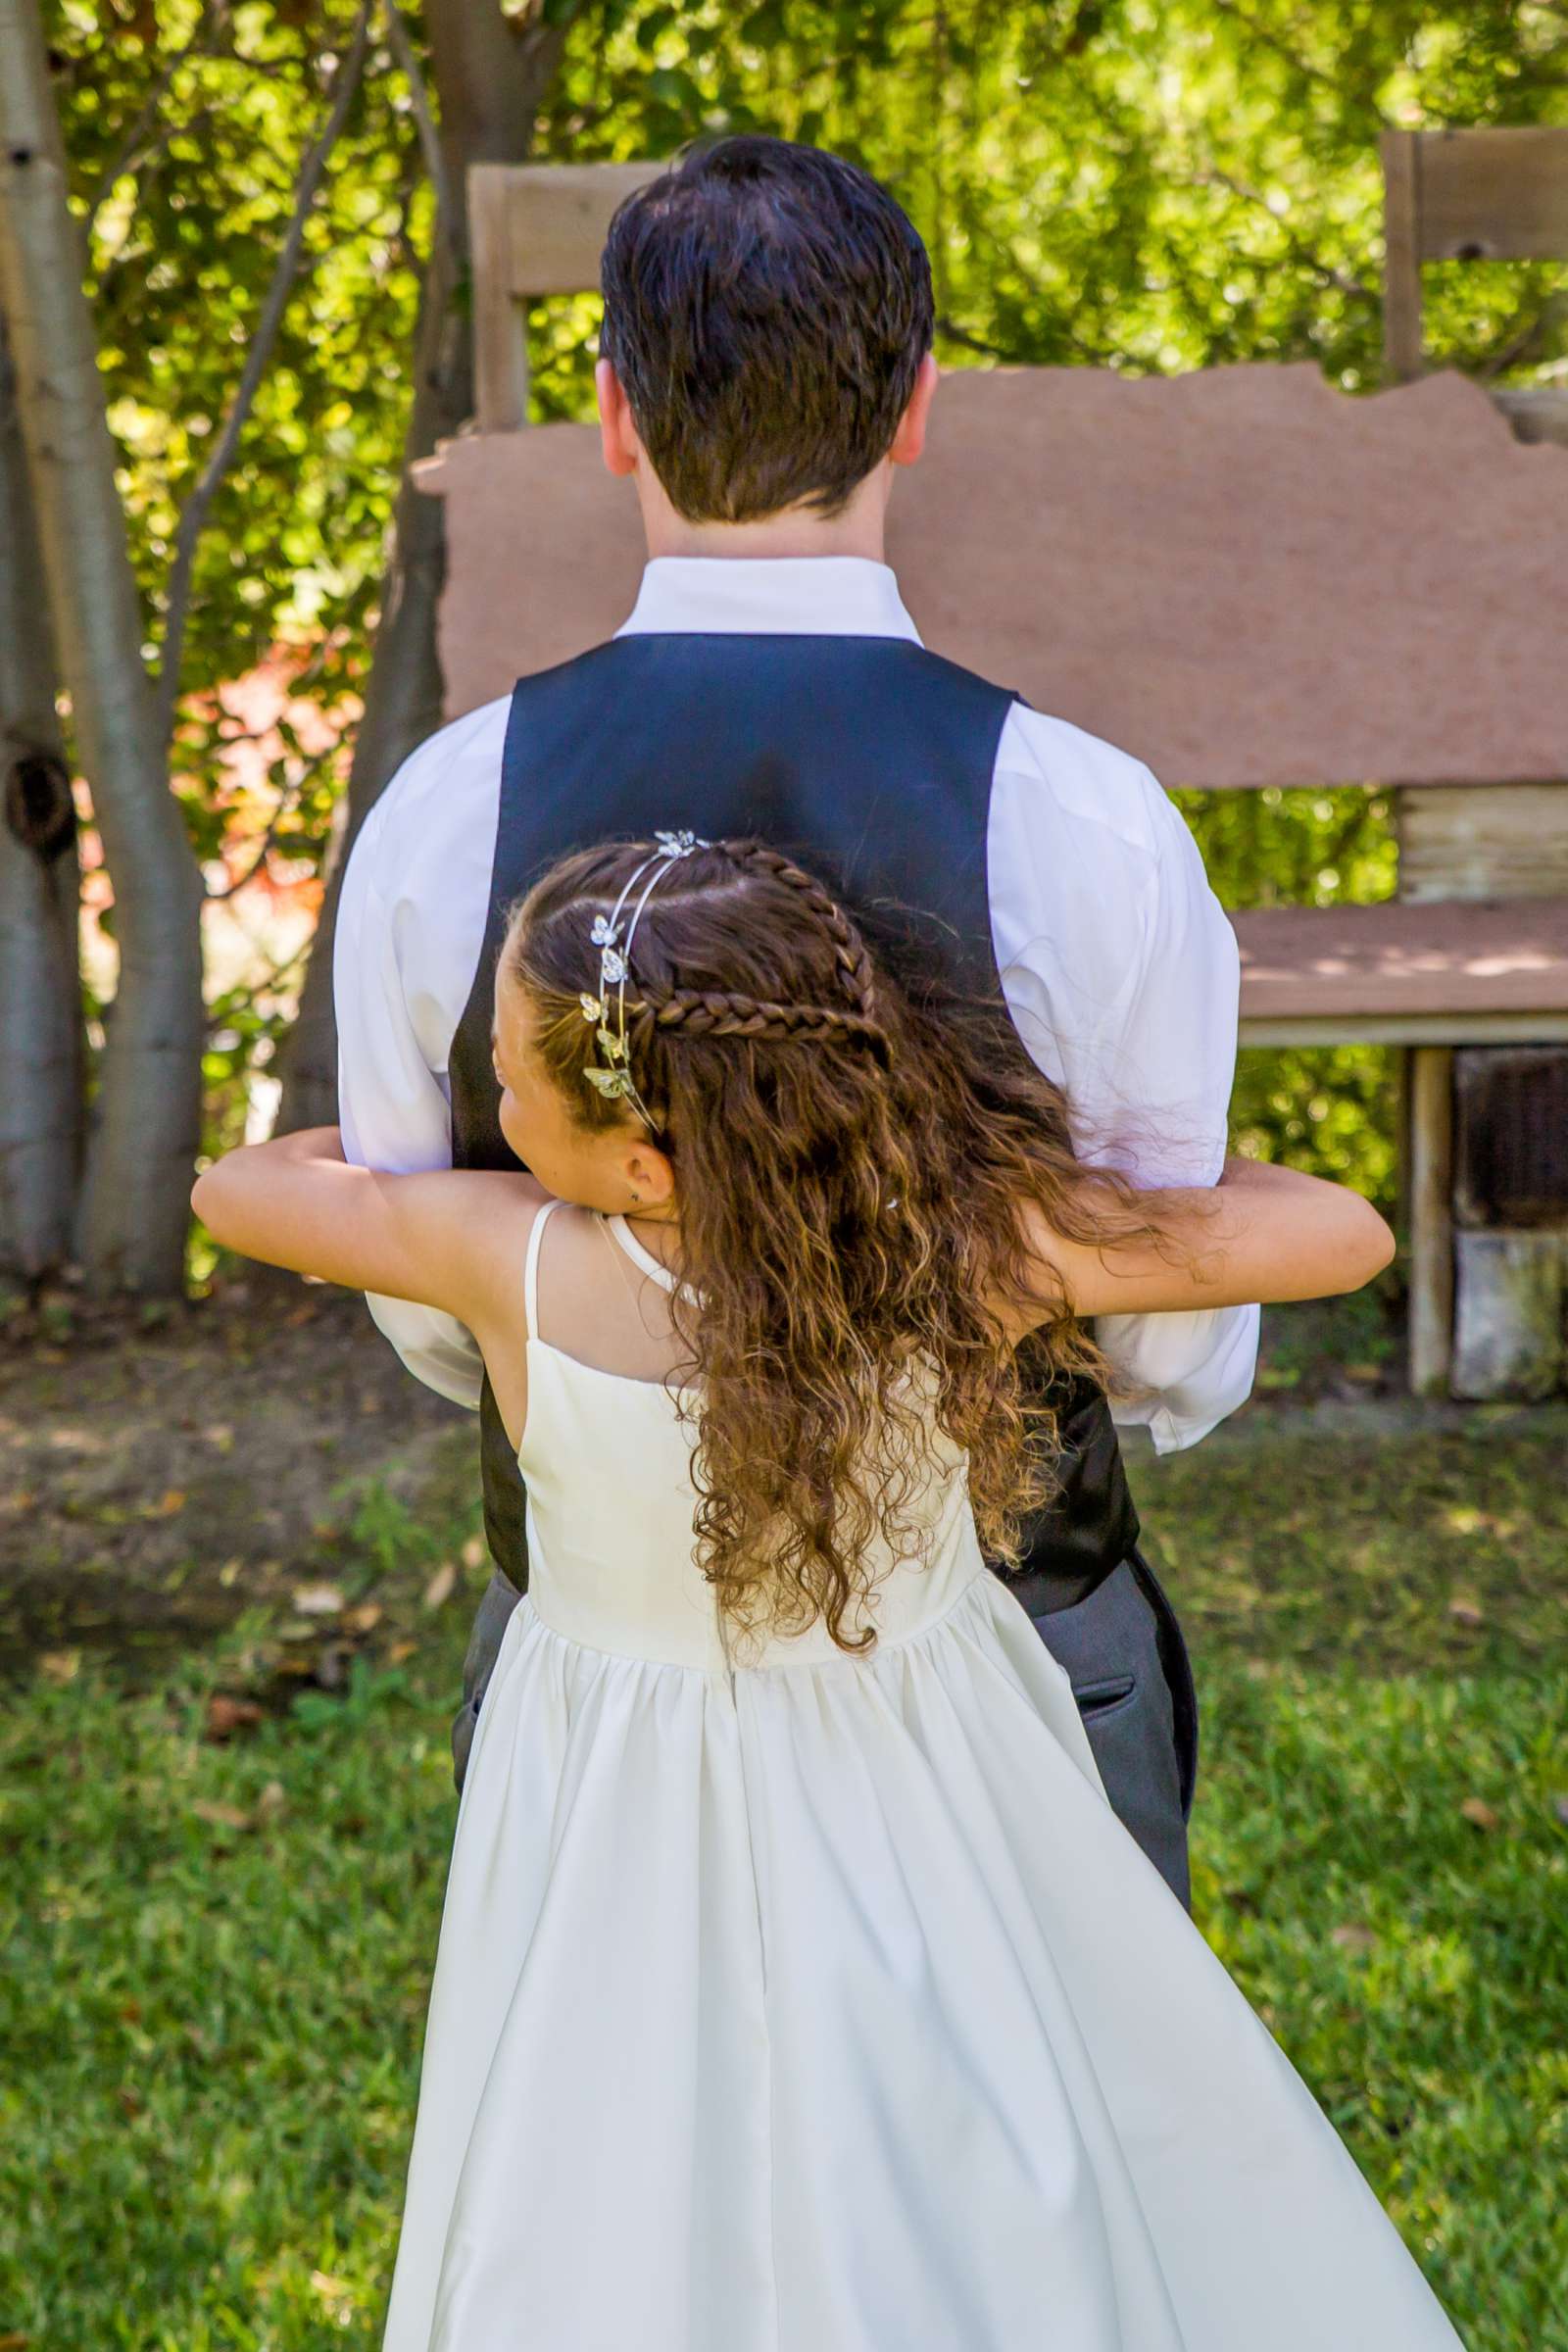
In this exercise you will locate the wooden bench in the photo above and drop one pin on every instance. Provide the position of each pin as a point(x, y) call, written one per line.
point(1428, 976)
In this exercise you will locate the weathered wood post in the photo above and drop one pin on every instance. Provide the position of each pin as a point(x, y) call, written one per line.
point(1487, 1127)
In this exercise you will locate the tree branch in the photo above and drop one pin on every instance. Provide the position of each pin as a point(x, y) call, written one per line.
point(194, 517)
point(129, 151)
point(1302, 255)
point(445, 218)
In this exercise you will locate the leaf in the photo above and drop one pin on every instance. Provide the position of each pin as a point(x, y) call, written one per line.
point(59, 1665)
point(363, 1616)
point(440, 1587)
point(474, 1552)
point(1353, 1936)
point(1465, 1609)
point(1477, 1810)
point(221, 1817)
point(225, 1715)
point(172, 1500)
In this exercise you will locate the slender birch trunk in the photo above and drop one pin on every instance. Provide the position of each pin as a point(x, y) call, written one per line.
point(135, 1202)
point(41, 1055)
point(490, 80)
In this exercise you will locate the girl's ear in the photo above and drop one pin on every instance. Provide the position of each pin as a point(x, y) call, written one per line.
point(649, 1174)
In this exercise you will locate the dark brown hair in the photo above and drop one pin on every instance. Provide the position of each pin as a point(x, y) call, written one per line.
point(852, 1142)
point(767, 310)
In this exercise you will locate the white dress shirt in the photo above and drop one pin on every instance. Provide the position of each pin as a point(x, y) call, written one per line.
point(1118, 965)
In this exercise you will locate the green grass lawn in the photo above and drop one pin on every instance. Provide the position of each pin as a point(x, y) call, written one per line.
point(219, 1951)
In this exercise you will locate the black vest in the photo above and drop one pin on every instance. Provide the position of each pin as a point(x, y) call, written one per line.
point(868, 758)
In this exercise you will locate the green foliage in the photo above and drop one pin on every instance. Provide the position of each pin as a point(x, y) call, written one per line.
point(1103, 182)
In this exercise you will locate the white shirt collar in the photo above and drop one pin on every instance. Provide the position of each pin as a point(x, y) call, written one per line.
point(789, 596)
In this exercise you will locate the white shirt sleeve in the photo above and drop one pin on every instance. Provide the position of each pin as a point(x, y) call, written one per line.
point(1121, 971)
point(410, 922)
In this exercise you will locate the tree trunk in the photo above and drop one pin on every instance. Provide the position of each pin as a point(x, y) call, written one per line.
point(41, 1057)
point(136, 1203)
point(490, 80)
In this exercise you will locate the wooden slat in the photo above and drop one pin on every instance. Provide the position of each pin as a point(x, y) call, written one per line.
point(1483, 841)
point(1493, 195)
point(1430, 1336)
point(556, 218)
point(1401, 265)
point(1352, 966)
point(500, 328)
point(1277, 1031)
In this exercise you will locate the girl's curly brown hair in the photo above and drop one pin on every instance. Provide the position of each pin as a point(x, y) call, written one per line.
point(852, 1138)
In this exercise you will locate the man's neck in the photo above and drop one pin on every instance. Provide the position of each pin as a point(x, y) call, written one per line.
point(858, 530)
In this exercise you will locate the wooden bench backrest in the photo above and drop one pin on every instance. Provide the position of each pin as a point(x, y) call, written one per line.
point(1465, 196)
point(1245, 576)
point(536, 228)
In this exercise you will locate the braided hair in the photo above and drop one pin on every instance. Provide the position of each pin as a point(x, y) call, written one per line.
point(850, 1160)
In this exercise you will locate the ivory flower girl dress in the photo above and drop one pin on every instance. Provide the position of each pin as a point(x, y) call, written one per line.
point(823, 2004)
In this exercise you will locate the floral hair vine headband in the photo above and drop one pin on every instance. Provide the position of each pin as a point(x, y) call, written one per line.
point(612, 1078)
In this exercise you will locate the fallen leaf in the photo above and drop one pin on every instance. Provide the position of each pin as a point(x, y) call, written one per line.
point(397, 1651)
point(1559, 1805)
point(171, 1500)
point(221, 1817)
point(370, 1404)
point(133, 2103)
point(219, 1434)
point(360, 1618)
point(130, 2011)
point(439, 1589)
point(272, 1799)
point(1477, 1809)
point(1465, 1609)
point(224, 1714)
point(318, 1600)
point(474, 1553)
point(59, 1665)
point(1353, 1937)
point(303, 1313)
point(229, 1571)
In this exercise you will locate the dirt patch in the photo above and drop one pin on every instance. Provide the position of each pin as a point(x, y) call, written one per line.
point(160, 1472)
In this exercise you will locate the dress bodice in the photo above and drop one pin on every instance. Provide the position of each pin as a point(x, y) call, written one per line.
point(612, 1515)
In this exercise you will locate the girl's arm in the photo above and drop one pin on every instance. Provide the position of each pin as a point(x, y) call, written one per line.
point(448, 1239)
point(1261, 1232)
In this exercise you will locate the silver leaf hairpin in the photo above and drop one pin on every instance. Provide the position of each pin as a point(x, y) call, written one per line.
point(613, 1080)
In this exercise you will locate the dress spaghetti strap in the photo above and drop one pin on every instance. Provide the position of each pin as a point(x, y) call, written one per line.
point(530, 1268)
point(621, 1232)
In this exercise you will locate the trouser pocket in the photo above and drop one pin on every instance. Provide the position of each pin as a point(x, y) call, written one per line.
point(1111, 1644)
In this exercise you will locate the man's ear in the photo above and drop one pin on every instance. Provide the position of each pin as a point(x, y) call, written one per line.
point(617, 435)
point(909, 440)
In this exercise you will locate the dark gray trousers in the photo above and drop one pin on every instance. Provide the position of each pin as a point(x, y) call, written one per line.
point(1124, 1653)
